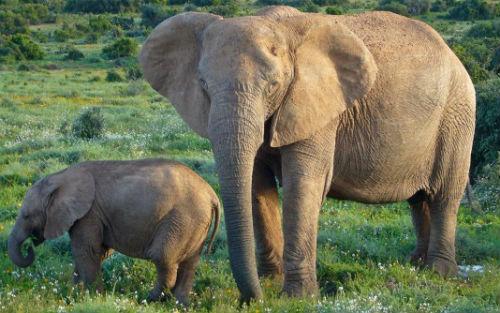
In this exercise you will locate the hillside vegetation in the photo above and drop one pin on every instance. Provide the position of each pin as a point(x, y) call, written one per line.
point(71, 90)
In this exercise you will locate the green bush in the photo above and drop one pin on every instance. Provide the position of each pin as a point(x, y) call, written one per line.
point(487, 135)
point(34, 13)
point(417, 7)
point(394, 7)
point(473, 10)
point(204, 3)
point(124, 22)
point(92, 38)
point(495, 61)
point(28, 48)
point(99, 24)
point(475, 69)
point(343, 3)
point(88, 124)
point(333, 11)
point(11, 23)
point(226, 10)
point(60, 35)
point(23, 67)
point(113, 76)
point(439, 6)
point(122, 47)
point(152, 14)
point(134, 71)
point(405, 7)
point(100, 6)
point(73, 54)
point(485, 29)
point(487, 186)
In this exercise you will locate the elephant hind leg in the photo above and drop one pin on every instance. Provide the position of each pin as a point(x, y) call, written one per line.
point(443, 221)
point(420, 214)
point(185, 278)
point(267, 221)
point(166, 275)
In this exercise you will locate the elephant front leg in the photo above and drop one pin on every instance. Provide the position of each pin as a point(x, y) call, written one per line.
point(267, 221)
point(307, 169)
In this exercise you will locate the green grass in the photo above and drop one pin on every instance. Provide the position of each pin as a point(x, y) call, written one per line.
point(362, 250)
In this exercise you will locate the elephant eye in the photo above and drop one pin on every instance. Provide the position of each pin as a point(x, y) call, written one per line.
point(272, 86)
point(203, 83)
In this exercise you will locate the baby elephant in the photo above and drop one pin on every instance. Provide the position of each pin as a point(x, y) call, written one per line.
point(152, 209)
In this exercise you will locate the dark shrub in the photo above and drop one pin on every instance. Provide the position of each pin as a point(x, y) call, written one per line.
point(134, 71)
point(485, 29)
point(88, 124)
point(34, 13)
point(227, 10)
point(99, 24)
point(23, 67)
point(487, 186)
point(92, 38)
point(11, 23)
point(100, 6)
point(122, 47)
point(29, 49)
point(60, 35)
point(394, 7)
point(472, 10)
point(495, 61)
point(123, 22)
point(343, 3)
point(439, 6)
point(487, 135)
point(189, 7)
point(74, 54)
point(204, 3)
point(113, 76)
point(333, 11)
point(309, 6)
point(152, 14)
point(417, 7)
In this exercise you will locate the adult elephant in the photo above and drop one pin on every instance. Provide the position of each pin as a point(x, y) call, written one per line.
point(371, 107)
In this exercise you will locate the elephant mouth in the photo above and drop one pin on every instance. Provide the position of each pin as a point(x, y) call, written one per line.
point(37, 238)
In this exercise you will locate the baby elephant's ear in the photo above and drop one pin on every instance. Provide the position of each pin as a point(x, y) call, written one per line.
point(69, 196)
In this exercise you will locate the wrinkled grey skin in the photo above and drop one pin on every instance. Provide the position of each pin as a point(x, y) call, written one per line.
point(371, 107)
point(152, 209)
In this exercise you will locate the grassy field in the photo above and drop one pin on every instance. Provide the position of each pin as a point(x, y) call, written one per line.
point(362, 252)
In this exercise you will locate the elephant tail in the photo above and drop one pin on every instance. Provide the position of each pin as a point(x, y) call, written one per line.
point(216, 211)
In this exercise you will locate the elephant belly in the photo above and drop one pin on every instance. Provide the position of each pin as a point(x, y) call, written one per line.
point(383, 160)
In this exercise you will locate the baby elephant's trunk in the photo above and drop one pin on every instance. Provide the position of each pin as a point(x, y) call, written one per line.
point(14, 244)
point(216, 221)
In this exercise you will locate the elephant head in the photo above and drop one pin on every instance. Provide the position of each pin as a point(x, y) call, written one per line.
point(283, 73)
point(49, 209)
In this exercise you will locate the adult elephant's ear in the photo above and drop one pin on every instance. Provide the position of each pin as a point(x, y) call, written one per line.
point(169, 59)
point(67, 196)
point(333, 68)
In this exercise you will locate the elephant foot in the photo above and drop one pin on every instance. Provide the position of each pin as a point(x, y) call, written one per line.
point(183, 300)
point(301, 288)
point(156, 295)
point(418, 257)
point(444, 267)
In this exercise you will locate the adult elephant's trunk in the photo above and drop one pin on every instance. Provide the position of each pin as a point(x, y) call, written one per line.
point(236, 132)
point(16, 239)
